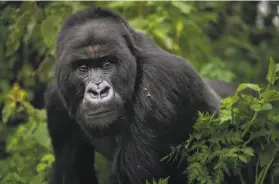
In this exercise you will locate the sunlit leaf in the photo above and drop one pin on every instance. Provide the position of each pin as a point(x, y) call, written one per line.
point(182, 6)
point(271, 75)
point(243, 86)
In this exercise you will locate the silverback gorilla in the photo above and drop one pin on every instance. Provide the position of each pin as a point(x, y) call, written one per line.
point(118, 93)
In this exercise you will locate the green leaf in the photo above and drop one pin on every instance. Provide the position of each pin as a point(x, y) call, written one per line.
point(267, 154)
point(225, 115)
point(182, 6)
point(266, 107)
point(13, 41)
point(7, 111)
point(270, 95)
point(49, 30)
point(243, 86)
point(248, 151)
point(41, 167)
point(41, 135)
point(273, 115)
point(271, 74)
point(36, 179)
point(243, 158)
point(11, 178)
point(261, 107)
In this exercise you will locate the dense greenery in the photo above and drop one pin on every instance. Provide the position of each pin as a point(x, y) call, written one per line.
point(247, 127)
point(220, 39)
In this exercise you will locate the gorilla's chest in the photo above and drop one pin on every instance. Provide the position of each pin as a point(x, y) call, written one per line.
point(105, 146)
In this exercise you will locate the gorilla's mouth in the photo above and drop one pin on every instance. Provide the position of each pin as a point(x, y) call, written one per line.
point(101, 113)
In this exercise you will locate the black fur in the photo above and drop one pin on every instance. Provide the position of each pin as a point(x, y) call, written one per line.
point(161, 95)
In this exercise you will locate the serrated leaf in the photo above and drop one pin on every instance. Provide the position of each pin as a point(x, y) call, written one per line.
point(271, 74)
point(225, 115)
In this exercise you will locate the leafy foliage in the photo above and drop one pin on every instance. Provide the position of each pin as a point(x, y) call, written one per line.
point(245, 129)
point(161, 181)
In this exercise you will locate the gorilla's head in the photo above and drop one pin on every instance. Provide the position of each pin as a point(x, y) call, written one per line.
point(96, 67)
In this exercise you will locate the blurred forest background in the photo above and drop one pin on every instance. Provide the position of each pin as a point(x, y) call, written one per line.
point(229, 41)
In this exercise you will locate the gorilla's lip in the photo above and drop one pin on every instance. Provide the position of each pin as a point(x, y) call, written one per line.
point(98, 113)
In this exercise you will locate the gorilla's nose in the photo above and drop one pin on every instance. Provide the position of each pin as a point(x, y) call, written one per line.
point(98, 92)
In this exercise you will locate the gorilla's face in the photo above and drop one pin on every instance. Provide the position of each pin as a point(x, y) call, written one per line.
point(95, 72)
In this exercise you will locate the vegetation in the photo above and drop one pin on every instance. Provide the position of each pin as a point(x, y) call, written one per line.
point(246, 128)
point(222, 40)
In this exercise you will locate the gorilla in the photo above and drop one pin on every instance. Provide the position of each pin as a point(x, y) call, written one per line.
point(116, 92)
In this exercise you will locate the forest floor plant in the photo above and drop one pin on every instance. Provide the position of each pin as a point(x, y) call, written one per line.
point(246, 132)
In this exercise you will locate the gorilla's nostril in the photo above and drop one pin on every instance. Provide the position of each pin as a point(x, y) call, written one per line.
point(104, 92)
point(93, 92)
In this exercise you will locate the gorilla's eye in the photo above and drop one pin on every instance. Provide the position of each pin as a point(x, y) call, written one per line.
point(83, 67)
point(106, 65)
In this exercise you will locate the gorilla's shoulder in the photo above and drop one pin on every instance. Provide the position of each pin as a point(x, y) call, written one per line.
point(51, 95)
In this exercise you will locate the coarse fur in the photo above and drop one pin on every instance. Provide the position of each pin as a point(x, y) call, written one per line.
point(158, 95)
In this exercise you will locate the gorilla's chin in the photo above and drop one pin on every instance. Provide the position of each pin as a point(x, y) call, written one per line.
point(102, 123)
point(98, 119)
point(101, 118)
point(100, 114)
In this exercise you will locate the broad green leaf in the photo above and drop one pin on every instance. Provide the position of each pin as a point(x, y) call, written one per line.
point(11, 178)
point(243, 158)
point(23, 20)
point(41, 167)
point(49, 30)
point(271, 74)
point(7, 111)
point(261, 107)
point(273, 115)
point(270, 95)
point(36, 179)
point(267, 154)
point(182, 6)
point(243, 86)
point(42, 137)
point(266, 107)
point(13, 41)
point(248, 151)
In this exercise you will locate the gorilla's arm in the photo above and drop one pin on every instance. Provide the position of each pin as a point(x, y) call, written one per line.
point(74, 157)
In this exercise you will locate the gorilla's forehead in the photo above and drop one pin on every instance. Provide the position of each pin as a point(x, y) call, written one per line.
point(97, 32)
point(95, 38)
